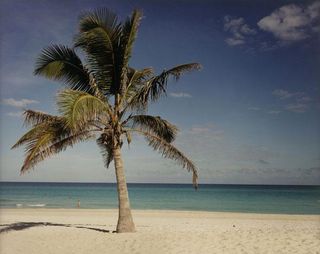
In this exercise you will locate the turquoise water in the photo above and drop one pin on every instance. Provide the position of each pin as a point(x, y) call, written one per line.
point(228, 198)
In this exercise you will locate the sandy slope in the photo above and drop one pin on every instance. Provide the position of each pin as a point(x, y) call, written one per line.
point(78, 231)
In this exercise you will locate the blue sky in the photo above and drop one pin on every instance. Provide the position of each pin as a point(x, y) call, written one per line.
point(251, 115)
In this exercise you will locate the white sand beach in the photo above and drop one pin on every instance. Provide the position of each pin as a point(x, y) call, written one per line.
point(90, 231)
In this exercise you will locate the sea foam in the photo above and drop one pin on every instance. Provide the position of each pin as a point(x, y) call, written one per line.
point(36, 205)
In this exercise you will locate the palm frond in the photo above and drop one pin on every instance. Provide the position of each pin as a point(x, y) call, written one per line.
point(51, 140)
point(128, 137)
point(105, 142)
point(153, 124)
point(128, 36)
point(32, 117)
point(31, 134)
point(33, 147)
point(169, 151)
point(99, 37)
point(80, 108)
point(100, 18)
point(177, 71)
point(39, 121)
point(49, 135)
point(136, 79)
point(156, 86)
point(58, 62)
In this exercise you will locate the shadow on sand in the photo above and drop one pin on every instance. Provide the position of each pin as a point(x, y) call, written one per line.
point(25, 225)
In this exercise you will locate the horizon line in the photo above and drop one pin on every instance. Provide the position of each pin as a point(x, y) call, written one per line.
point(248, 184)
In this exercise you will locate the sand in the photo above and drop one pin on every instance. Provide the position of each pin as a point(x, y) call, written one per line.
point(90, 231)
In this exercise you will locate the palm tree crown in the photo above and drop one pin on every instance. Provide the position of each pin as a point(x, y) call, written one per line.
point(106, 98)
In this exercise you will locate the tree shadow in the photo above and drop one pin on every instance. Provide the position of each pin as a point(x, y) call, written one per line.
point(25, 225)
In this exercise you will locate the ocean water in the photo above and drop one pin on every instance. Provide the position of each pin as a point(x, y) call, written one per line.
point(226, 198)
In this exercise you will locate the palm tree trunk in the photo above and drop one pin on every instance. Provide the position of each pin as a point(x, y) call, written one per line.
point(125, 221)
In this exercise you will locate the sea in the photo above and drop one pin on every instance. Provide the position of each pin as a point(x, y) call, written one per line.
point(274, 199)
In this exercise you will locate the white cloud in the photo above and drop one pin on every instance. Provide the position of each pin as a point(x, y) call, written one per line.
point(297, 107)
point(180, 95)
point(253, 153)
point(292, 22)
point(237, 27)
point(274, 112)
point(207, 131)
point(297, 102)
point(313, 10)
point(300, 102)
point(15, 114)
point(234, 41)
point(239, 30)
point(254, 108)
point(304, 99)
point(282, 94)
point(199, 129)
point(18, 103)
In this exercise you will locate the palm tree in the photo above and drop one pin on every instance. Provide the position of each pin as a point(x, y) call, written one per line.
point(105, 98)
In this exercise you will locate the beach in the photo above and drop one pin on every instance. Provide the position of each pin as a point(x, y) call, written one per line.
point(42, 230)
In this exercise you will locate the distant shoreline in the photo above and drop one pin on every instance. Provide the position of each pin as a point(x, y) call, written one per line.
point(260, 214)
point(188, 213)
point(184, 184)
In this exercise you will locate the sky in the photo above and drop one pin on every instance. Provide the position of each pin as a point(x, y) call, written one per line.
point(250, 116)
